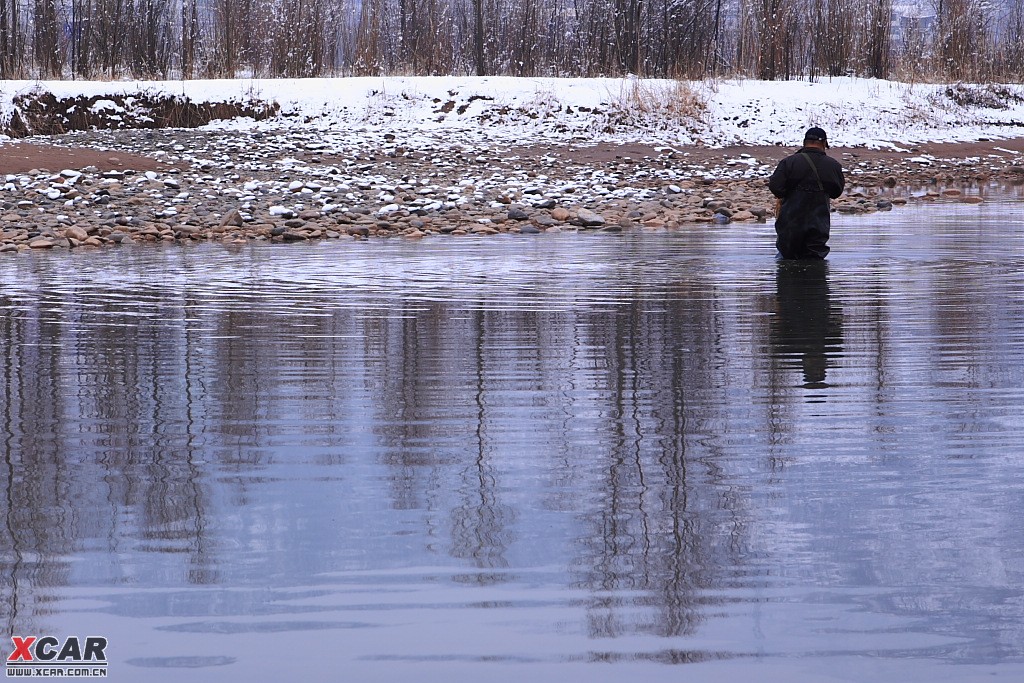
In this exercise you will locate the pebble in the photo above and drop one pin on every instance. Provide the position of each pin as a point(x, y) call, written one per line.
point(233, 218)
point(76, 233)
point(589, 218)
point(517, 213)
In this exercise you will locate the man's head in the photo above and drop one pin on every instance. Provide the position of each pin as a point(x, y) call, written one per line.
point(815, 137)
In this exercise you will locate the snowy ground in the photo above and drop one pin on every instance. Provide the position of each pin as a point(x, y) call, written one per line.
point(856, 112)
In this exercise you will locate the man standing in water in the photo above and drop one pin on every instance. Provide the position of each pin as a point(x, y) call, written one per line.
point(804, 182)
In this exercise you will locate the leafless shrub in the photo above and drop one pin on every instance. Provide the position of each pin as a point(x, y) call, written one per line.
point(986, 96)
point(656, 103)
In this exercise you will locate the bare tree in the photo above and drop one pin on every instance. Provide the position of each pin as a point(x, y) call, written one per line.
point(46, 47)
point(833, 35)
point(960, 37)
point(878, 38)
point(769, 39)
point(10, 39)
point(370, 38)
point(1012, 46)
point(80, 41)
point(227, 27)
point(299, 38)
point(766, 47)
point(479, 57)
point(189, 37)
point(108, 31)
point(150, 40)
point(628, 16)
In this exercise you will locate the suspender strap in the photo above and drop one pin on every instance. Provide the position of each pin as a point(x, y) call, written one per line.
point(814, 168)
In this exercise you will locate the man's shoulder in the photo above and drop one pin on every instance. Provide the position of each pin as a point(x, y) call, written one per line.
point(820, 157)
point(790, 158)
point(833, 162)
point(813, 152)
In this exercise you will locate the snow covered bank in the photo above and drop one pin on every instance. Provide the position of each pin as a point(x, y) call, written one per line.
point(856, 112)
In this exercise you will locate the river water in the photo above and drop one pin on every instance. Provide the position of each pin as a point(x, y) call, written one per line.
point(604, 457)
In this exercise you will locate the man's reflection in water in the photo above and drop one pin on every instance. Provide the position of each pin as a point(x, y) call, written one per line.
point(806, 326)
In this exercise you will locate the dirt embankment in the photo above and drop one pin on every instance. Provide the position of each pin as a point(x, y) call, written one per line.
point(43, 113)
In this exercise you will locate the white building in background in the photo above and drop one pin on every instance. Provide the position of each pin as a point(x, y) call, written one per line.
point(913, 18)
point(917, 17)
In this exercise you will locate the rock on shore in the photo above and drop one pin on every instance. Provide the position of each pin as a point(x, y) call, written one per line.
point(295, 188)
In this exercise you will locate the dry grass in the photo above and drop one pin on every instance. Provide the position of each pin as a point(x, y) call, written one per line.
point(659, 103)
point(989, 96)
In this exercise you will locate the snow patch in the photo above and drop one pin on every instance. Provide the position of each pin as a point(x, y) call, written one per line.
point(487, 110)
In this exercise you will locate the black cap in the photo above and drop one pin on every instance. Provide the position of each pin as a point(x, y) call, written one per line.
point(816, 134)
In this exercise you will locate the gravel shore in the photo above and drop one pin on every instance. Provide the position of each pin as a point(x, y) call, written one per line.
point(98, 189)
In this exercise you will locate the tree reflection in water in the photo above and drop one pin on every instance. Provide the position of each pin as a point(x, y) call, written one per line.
point(618, 431)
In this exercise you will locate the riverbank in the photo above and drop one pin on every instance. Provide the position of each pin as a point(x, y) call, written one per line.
point(118, 188)
point(338, 158)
